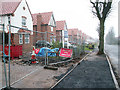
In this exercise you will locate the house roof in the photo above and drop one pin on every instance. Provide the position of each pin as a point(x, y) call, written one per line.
point(45, 17)
point(60, 25)
point(73, 31)
point(8, 6)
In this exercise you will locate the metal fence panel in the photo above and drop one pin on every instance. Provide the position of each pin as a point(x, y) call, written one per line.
point(18, 68)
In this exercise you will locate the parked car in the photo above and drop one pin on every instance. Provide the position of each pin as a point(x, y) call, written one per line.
point(42, 43)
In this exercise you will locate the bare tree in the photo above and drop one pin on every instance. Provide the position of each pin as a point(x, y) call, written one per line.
point(101, 9)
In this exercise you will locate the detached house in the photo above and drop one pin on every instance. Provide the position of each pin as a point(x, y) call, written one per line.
point(62, 33)
point(45, 23)
point(73, 35)
point(17, 13)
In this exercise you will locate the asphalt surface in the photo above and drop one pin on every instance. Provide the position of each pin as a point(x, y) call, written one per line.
point(93, 72)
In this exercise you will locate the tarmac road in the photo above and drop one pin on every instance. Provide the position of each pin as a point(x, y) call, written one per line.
point(93, 72)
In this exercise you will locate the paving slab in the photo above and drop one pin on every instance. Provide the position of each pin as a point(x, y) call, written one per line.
point(93, 72)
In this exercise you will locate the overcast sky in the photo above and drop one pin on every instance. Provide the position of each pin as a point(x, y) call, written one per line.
point(77, 14)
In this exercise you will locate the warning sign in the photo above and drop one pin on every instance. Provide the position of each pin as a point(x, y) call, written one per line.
point(65, 52)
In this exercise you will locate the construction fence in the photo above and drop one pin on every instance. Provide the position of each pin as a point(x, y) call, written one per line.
point(19, 58)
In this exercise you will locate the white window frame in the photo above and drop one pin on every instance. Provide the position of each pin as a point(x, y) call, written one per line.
point(52, 29)
point(24, 21)
point(21, 39)
point(27, 38)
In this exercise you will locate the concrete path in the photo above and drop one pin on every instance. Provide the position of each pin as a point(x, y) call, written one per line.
point(93, 72)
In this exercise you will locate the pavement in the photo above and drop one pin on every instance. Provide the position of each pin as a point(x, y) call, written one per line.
point(93, 72)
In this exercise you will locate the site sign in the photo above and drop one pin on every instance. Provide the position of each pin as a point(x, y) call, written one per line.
point(65, 52)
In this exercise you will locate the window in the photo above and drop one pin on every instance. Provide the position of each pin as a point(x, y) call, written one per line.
point(26, 38)
point(20, 39)
point(52, 29)
point(23, 21)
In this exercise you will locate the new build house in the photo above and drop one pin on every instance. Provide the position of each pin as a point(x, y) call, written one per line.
point(44, 23)
point(75, 36)
point(62, 33)
point(17, 13)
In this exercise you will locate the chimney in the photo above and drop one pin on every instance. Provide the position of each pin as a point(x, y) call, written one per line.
point(39, 21)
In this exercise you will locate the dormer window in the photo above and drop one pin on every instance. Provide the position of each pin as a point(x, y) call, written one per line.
point(24, 21)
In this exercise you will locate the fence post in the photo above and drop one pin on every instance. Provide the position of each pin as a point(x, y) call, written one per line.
point(4, 54)
point(47, 58)
point(45, 48)
point(9, 49)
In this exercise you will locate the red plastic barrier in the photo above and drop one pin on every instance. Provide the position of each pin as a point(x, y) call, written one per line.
point(15, 51)
point(0, 47)
point(65, 52)
point(37, 51)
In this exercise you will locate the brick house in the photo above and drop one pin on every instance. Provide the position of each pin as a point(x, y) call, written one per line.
point(44, 22)
point(62, 33)
point(18, 12)
point(73, 35)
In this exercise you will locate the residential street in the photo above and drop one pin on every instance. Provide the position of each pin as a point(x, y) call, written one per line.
point(113, 52)
point(93, 72)
point(44, 45)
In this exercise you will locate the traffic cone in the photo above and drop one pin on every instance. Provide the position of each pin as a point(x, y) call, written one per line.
point(33, 58)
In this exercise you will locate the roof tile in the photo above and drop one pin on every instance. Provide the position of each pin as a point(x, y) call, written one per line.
point(8, 6)
point(45, 17)
point(60, 25)
point(73, 31)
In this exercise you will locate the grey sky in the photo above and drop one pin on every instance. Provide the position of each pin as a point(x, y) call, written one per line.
point(77, 14)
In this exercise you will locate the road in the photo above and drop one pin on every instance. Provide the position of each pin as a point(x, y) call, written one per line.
point(113, 52)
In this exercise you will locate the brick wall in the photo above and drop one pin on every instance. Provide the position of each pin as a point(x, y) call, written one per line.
point(51, 35)
point(42, 28)
point(44, 36)
point(26, 48)
point(58, 35)
point(35, 38)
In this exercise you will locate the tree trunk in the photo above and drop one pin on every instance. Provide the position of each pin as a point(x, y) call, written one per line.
point(101, 37)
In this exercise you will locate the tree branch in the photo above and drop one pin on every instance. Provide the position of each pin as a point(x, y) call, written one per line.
point(106, 9)
point(97, 10)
